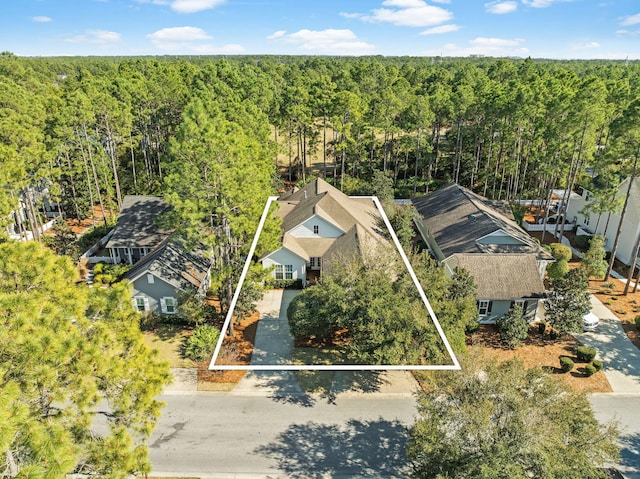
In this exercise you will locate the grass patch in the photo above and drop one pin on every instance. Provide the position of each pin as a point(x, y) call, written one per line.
point(317, 381)
point(168, 339)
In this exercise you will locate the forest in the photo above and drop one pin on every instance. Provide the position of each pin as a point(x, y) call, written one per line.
point(217, 135)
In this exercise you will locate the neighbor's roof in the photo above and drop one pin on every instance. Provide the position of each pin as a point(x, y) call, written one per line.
point(175, 262)
point(456, 218)
point(137, 223)
point(502, 276)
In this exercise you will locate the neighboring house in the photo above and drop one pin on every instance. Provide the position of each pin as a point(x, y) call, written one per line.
point(320, 223)
point(137, 231)
point(172, 268)
point(466, 230)
point(630, 226)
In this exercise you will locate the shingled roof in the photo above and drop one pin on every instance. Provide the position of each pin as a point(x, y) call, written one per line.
point(137, 225)
point(457, 218)
point(502, 276)
point(173, 261)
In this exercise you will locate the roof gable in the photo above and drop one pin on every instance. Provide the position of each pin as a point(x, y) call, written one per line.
point(137, 225)
point(494, 273)
point(457, 218)
point(176, 264)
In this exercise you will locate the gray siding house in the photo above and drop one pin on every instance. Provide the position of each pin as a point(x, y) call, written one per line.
point(463, 229)
point(137, 231)
point(169, 270)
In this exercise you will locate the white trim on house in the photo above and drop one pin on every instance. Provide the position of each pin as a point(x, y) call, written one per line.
point(169, 305)
point(499, 233)
point(137, 304)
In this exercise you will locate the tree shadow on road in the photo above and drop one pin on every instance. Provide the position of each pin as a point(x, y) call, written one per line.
point(360, 448)
point(629, 447)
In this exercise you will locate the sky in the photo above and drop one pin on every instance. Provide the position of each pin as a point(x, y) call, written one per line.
point(558, 29)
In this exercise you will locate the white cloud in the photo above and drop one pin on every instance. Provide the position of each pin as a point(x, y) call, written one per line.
point(441, 29)
point(191, 6)
point(41, 19)
point(542, 3)
point(405, 13)
point(586, 46)
point(495, 42)
point(189, 40)
point(630, 20)
point(100, 37)
point(276, 35)
point(330, 41)
point(628, 32)
point(179, 34)
point(186, 6)
point(497, 47)
point(500, 8)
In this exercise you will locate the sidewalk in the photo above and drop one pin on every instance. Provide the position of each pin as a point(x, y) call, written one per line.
point(620, 356)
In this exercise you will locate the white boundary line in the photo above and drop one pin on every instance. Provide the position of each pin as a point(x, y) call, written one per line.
point(324, 367)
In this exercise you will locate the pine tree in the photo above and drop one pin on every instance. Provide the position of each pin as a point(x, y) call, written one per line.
point(62, 351)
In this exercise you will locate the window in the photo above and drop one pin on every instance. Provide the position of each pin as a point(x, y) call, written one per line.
point(524, 304)
point(288, 271)
point(279, 272)
point(314, 262)
point(140, 303)
point(150, 279)
point(316, 229)
point(586, 220)
point(169, 305)
point(587, 196)
point(484, 307)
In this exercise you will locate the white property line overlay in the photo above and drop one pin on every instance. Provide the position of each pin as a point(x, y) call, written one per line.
point(337, 367)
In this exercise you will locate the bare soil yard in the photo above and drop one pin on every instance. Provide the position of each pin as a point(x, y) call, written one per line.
point(537, 351)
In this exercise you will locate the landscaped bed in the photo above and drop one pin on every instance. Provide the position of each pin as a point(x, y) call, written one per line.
point(537, 350)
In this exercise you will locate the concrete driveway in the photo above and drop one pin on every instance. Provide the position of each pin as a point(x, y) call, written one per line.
point(274, 347)
point(620, 356)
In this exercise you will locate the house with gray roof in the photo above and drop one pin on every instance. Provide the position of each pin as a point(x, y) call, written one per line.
point(172, 268)
point(320, 223)
point(463, 229)
point(137, 232)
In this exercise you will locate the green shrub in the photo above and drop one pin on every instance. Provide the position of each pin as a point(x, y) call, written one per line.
point(597, 364)
point(566, 364)
point(637, 321)
point(585, 354)
point(98, 268)
point(513, 327)
point(201, 343)
point(582, 242)
point(560, 251)
point(472, 327)
point(284, 283)
point(590, 370)
point(558, 269)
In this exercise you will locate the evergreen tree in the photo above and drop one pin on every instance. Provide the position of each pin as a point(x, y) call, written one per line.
point(62, 351)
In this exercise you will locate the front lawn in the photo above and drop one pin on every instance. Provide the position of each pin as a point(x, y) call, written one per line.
point(168, 339)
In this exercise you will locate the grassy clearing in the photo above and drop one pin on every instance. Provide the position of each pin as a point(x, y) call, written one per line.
point(317, 381)
point(168, 340)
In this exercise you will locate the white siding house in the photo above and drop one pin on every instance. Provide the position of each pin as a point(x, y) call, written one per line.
point(318, 223)
point(588, 222)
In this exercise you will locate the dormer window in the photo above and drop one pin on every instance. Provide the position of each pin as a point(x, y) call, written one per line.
point(316, 229)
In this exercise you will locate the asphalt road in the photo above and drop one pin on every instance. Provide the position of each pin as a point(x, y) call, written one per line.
point(231, 436)
point(624, 409)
